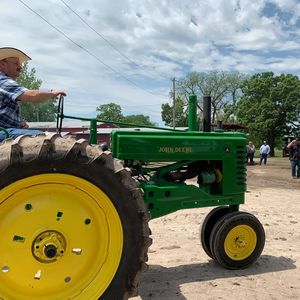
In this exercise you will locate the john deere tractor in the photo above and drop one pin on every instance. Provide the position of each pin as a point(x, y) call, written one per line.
point(74, 218)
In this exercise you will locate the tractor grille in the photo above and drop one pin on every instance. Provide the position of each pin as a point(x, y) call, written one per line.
point(241, 165)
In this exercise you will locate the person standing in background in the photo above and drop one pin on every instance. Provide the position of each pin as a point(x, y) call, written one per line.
point(294, 149)
point(250, 153)
point(264, 152)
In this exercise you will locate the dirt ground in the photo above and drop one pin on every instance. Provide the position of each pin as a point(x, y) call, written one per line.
point(180, 269)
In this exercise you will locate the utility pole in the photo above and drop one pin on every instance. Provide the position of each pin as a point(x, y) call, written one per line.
point(173, 94)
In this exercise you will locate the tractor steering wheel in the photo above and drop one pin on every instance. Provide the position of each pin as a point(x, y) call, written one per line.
point(60, 113)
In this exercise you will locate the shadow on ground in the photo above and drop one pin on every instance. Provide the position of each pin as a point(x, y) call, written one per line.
point(158, 278)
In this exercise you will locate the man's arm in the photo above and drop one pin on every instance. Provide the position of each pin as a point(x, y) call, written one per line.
point(291, 144)
point(36, 96)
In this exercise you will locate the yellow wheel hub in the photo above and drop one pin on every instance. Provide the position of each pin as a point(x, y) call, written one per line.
point(49, 246)
point(240, 242)
point(61, 238)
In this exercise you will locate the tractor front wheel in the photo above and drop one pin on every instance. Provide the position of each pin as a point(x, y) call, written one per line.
point(208, 224)
point(237, 240)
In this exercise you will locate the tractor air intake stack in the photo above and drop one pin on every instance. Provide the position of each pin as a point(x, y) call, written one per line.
point(192, 113)
point(206, 113)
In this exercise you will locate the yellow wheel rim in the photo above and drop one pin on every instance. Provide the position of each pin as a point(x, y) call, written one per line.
point(240, 242)
point(61, 238)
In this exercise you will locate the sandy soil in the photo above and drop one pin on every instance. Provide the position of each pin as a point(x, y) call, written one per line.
point(180, 269)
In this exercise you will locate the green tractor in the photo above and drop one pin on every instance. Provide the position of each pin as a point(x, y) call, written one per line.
point(74, 218)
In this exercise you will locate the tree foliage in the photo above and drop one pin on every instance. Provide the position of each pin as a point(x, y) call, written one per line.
point(113, 112)
point(138, 119)
point(223, 87)
point(110, 112)
point(235, 82)
point(180, 113)
point(42, 112)
point(270, 106)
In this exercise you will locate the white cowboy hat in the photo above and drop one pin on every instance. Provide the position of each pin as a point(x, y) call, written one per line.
point(7, 52)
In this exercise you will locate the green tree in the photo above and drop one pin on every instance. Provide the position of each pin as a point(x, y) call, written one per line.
point(139, 120)
point(235, 81)
point(110, 112)
point(180, 113)
point(223, 87)
point(42, 112)
point(113, 112)
point(270, 106)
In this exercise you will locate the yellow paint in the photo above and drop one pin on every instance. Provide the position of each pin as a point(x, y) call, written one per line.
point(240, 242)
point(87, 229)
point(175, 150)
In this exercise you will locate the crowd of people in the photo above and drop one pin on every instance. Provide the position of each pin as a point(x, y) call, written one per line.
point(264, 151)
point(294, 154)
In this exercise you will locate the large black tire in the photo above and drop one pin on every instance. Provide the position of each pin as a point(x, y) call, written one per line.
point(208, 224)
point(237, 240)
point(25, 166)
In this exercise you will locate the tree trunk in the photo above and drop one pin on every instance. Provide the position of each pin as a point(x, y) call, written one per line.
point(272, 146)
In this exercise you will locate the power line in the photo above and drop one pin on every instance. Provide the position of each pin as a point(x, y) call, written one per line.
point(100, 35)
point(105, 39)
point(86, 50)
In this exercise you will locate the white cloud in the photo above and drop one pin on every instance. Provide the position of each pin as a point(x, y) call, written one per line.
point(165, 38)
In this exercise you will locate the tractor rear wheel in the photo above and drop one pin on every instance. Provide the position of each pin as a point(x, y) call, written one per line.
point(237, 240)
point(73, 223)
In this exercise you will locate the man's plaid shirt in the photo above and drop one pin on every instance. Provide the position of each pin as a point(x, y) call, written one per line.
point(10, 90)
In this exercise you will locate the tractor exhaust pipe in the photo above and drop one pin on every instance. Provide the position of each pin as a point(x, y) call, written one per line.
point(206, 113)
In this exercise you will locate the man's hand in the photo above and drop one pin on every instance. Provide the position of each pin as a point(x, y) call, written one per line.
point(295, 142)
point(292, 143)
point(24, 125)
point(57, 93)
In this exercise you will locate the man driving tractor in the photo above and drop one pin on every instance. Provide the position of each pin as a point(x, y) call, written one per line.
point(11, 93)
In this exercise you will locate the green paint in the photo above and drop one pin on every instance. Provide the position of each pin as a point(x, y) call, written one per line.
point(225, 151)
point(215, 159)
point(192, 113)
point(93, 132)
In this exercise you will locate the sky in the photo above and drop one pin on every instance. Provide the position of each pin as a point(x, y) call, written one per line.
point(127, 51)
